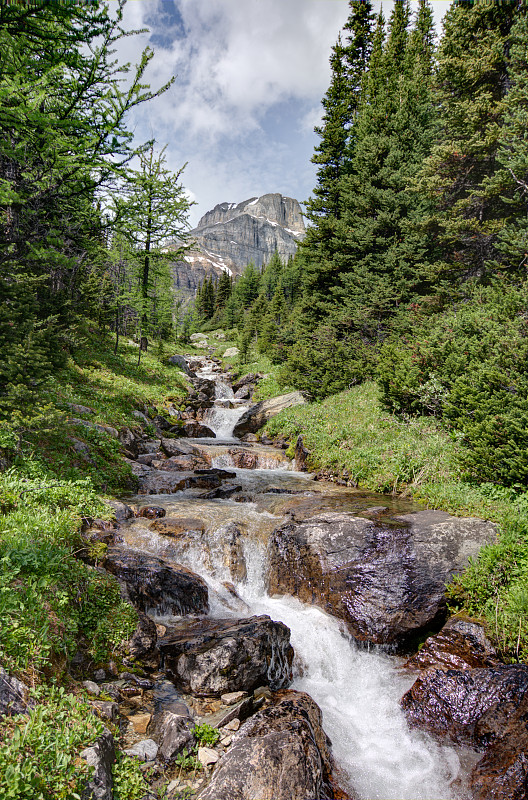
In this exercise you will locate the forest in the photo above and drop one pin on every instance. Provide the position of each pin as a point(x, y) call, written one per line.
point(413, 270)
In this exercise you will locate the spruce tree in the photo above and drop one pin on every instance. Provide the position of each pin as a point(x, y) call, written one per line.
point(471, 88)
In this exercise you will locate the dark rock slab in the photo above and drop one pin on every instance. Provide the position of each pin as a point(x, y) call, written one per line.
point(142, 645)
point(154, 584)
point(151, 512)
point(386, 582)
point(195, 430)
point(301, 455)
point(215, 656)
point(280, 753)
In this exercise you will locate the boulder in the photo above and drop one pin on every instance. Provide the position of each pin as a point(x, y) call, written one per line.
point(154, 584)
point(280, 753)
point(247, 380)
point(461, 644)
point(154, 481)
point(195, 430)
point(231, 352)
point(151, 512)
point(179, 447)
point(257, 415)
point(101, 757)
point(486, 709)
point(181, 362)
point(215, 656)
point(146, 750)
point(121, 511)
point(386, 582)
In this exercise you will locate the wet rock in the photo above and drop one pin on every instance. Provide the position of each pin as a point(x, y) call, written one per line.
point(195, 430)
point(256, 416)
point(245, 392)
point(186, 463)
point(212, 657)
point(178, 447)
point(154, 481)
point(466, 704)
point(14, 695)
point(175, 526)
point(101, 757)
point(222, 493)
point(154, 584)
point(301, 455)
point(172, 732)
point(502, 772)
point(386, 583)
point(151, 512)
point(121, 511)
point(461, 644)
point(142, 645)
point(281, 753)
point(230, 538)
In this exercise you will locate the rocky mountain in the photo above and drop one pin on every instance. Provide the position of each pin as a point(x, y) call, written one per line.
point(232, 235)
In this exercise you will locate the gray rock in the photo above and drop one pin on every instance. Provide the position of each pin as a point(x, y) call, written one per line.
point(386, 582)
point(101, 757)
point(280, 753)
point(14, 695)
point(231, 352)
point(155, 584)
point(256, 416)
point(100, 675)
point(106, 710)
point(172, 732)
point(198, 337)
point(214, 656)
point(181, 362)
point(141, 417)
point(146, 750)
point(78, 409)
point(127, 439)
point(92, 688)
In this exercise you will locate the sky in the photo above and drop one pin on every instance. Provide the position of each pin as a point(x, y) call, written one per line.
point(249, 79)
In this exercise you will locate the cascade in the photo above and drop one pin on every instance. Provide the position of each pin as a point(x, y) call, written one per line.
point(377, 754)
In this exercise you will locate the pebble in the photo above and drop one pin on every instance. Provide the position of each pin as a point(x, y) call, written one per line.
point(226, 741)
point(140, 722)
point(234, 725)
point(232, 697)
point(207, 755)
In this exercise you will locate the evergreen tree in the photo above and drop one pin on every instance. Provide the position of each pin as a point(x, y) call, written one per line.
point(471, 87)
point(63, 139)
point(152, 208)
point(348, 63)
point(223, 290)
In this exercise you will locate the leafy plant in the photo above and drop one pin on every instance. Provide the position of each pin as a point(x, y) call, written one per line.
point(206, 734)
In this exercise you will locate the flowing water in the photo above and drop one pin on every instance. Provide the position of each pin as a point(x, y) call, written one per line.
point(378, 756)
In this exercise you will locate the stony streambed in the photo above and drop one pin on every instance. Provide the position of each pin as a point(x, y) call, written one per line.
point(283, 611)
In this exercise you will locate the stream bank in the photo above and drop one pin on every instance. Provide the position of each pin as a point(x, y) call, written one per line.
point(263, 538)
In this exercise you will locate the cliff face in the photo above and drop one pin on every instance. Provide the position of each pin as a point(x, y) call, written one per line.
point(232, 235)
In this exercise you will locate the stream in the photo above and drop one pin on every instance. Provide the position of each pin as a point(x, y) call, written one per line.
point(358, 691)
